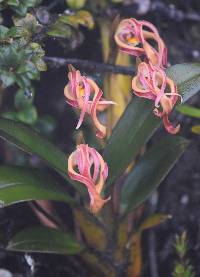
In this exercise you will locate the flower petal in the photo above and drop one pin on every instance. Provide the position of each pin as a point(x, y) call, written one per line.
point(85, 157)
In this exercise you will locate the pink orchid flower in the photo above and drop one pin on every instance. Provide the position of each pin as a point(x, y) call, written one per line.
point(87, 166)
point(134, 36)
point(79, 92)
point(152, 83)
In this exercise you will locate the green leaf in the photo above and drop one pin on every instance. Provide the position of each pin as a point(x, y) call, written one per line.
point(40, 64)
point(7, 79)
point(13, 2)
point(32, 142)
point(37, 50)
point(60, 29)
point(3, 31)
point(196, 129)
point(21, 100)
point(187, 78)
point(76, 4)
point(44, 240)
point(15, 32)
point(10, 115)
point(28, 115)
point(189, 110)
point(150, 171)
point(19, 184)
point(28, 22)
point(82, 17)
point(133, 130)
point(85, 18)
point(30, 69)
point(152, 221)
point(138, 123)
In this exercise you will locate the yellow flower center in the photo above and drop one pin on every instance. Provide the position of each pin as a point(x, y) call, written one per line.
point(133, 40)
point(81, 90)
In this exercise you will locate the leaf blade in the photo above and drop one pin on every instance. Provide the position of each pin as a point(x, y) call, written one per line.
point(30, 141)
point(18, 184)
point(187, 78)
point(189, 110)
point(142, 180)
point(44, 240)
point(118, 144)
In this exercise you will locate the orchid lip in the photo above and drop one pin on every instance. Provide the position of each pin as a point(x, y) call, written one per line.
point(80, 99)
point(151, 83)
point(132, 38)
point(83, 158)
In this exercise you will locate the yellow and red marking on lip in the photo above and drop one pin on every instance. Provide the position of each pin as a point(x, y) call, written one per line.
point(78, 93)
point(134, 36)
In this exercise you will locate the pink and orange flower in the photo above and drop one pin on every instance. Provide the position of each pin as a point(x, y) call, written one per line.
point(84, 94)
point(135, 38)
point(152, 83)
point(87, 166)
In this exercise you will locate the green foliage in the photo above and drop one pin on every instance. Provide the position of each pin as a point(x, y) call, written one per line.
point(82, 17)
point(19, 6)
point(32, 142)
point(183, 268)
point(193, 112)
point(76, 4)
point(196, 129)
point(20, 65)
point(189, 110)
point(116, 1)
point(44, 240)
point(19, 184)
point(21, 61)
point(187, 78)
point(150, 171)
point(16, 65)
point(60, 30)
point(66, 23)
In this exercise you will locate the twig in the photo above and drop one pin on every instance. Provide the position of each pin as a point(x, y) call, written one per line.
point(89, 65)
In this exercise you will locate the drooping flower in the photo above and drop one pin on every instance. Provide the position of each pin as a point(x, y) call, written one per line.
point(87, 166)
point(136, 38)
point(152, 83)
point(84, 94)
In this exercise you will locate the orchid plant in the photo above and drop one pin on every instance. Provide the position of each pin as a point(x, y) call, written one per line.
point(116, 174)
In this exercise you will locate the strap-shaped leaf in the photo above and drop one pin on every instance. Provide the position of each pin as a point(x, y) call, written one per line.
point(44, 240)
point(138, 123)
point(32, 142)
point(187, 78)
point(19, 184)
point(133, 130)
point(189, 110)
point(150, 171)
